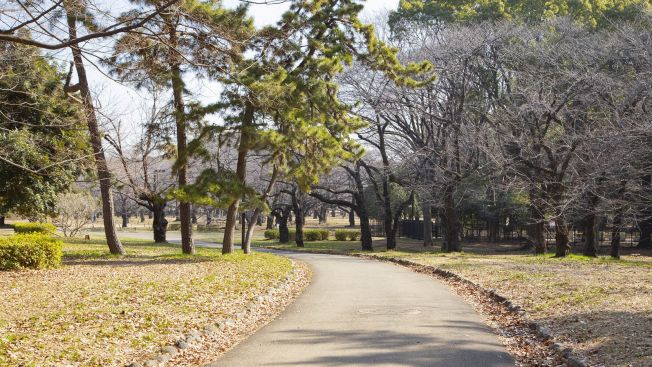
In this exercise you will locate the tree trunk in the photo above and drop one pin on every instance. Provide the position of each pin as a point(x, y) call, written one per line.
point(193, 217)
point(590, 236)
point(159, 224)
point(427, 225)
point(590, 227)
point(561, 238)
point(270, 222)
point(365, 229)
point(615, 235)
point(451, 223)
point(2, 220)
point(246, 244)
point(103, 174)
point(298, 225)
point(209, 217)
point(645, 240)
point(351, 218)
point(241, 173)
point(187, 245)
point(125, 220)
point(284, 233)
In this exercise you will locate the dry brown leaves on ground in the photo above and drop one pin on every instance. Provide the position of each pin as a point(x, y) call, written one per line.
point(99, 310)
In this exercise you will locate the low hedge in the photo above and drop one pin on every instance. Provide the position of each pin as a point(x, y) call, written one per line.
point(35, 227)
point(208, 228)
point(30, 251)
point(347, 234)
point(325, 233)
point(312, 235)
point(274, 234)
point(271, 234)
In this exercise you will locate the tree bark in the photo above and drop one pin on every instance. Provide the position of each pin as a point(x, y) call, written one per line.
point(125, 220)
point(561, 238)
point(536, 227)
point(284, 233)
point(451, 223)
point(241, 173)
point(159, 224)
point(427, 225)
point(645, 225)
point(270, 222)
point(615, 235)
point(365, 229)
point(187, 245)
point(2, 220)
point(590, 227)
point(351, 218)
point(115, 247)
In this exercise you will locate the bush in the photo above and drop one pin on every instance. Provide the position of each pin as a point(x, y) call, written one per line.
point(344, 234)
point(30, 251)
point(341, 234)
point(293, 234)
point(354, 235)
point(312, 235)
point(174, 227)
point(271, 234)
point(208, 228)
point(35, 227)
point(325, 233)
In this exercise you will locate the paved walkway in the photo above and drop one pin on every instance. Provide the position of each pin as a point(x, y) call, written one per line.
point(365, 313)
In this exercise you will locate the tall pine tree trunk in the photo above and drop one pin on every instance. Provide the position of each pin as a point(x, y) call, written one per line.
point(115, 247)
point(241, 173)
point(185, 215)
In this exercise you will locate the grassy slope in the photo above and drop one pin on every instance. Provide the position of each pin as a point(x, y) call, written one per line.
point(104, 310)
point(601, 307)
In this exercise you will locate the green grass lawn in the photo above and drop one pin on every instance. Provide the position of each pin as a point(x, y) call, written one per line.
point(105, 310)
point(599, 306)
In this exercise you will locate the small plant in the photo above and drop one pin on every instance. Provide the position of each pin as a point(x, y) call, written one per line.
point(74, 211)
point(271, 234)
point(312, 235)
point(325, 233)
point(341, 234)
point(34, 227)
point(30, 251)
point(344, 234)
point(354, 235)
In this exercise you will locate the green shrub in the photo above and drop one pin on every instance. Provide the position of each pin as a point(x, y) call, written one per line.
point(312, 235)
point(325, 233)
point(208, 228)
point(354, 235)
point(35, 227)
point(30, 251)
point(271, 234)
point(174, 227)
point(293, 234)
point(341, 234)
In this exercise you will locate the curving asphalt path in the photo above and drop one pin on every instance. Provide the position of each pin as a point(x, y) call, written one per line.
point(366, 313)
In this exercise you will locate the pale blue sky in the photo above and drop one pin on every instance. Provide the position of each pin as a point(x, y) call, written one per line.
point(120, 101)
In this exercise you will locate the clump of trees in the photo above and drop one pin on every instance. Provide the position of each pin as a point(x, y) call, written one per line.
point(513, 112)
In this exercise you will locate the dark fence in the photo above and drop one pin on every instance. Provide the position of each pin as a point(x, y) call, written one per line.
point(483, 231)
